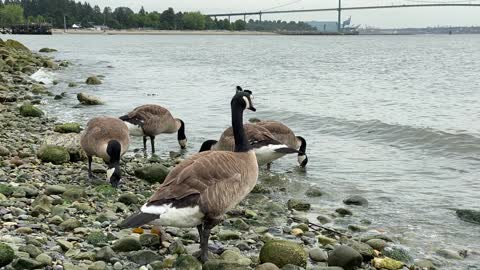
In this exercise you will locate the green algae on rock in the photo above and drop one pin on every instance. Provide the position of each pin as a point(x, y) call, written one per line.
point(28, 110)
point(6, 254)
point(282, 252)
point(93, 80)
point(68, 128)
point(54, 154)
point(155, 173)
point(47, 50)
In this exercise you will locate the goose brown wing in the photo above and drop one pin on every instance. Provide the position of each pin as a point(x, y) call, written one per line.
point(281, 132)
point(194, 176)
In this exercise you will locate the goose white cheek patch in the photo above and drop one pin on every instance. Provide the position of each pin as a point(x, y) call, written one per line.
point(247, 102)
point(110, 173)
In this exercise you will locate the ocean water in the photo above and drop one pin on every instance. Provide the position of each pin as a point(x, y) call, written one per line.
point(395, 119)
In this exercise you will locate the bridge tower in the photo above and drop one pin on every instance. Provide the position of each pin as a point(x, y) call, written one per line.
point(339, 26)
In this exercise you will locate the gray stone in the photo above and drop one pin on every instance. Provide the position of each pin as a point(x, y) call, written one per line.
point(149, 240)
point(365, 250)
point(44, 259)
point(299, 205)
point(54, 190)
point(228, 235)
point(117, 266)
point(176, 247)
point(126, 244)
point(378, 244)
point(292, 267)
point(318, 255)
point(25, 263)
point(99, 265)
point(64, 244)
point(70, 224)
point(323, 219)
point(449, 254)
point(32, 250)
point(345, 257)
point(4, 151)
point(105, 254)
point(155, 173)
point(128, 198)
point(87, 99)
point(143, 257)
point(267, 266)
point(324, 240)
point(343, 212)
point(187, 262)
point(314, 192)
point(472, 216)
point(356, 200)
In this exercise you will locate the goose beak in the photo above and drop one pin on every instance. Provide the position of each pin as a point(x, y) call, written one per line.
point(251, 108)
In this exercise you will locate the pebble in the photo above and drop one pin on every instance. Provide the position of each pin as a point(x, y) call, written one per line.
point(356, 200)
point(118, 266)
point(318, 255)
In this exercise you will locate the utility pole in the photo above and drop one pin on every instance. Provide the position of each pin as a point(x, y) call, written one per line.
point(260, 13)
point(64, 23)
point(339, 29)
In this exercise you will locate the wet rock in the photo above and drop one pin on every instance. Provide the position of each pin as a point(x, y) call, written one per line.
point(323, 219)
point(28, 110)
point(240, 224)
point(187, 262)
point(467, 215)
point(387, 263)
point(357, 228)
point(32, 250)
point(155, 173)
point(25, 263)
point(345, 257)
point(296, 232)
point(74, 194)
point(105, 254)
point(68, 128)
point(143, 257)
point(6, 190)
point(6, 254)
point(93, 80)
point(228, 235)
point(72, 84)
point(4, 151)
point(215, 264)
point(324, 240)
point(365, 250)
point(126, 244)
point(128, 198)
point(44, 259)
point(377, 244)
point(24, 230)
point(425, 264)
point(449, 254)
point(54, 190)
point(97, 238)
point(314, 192)
point(280, 253)
point(292, 267)
point(70, 224)
point(100, 265)
point(150, 240)
point(13, 44)
point(87, 99)
point(53, 154)
point(318, 255)
point(69, 141)
point(235, 257)
point(298, 205)
point(176, 247)
point(64, 244)
point(398, 253)
point(117, 266)
point(343, 212)
point(267, 266)
point(47, 50)
point(356, 200)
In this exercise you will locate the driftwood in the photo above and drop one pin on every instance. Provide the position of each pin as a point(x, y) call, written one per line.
point(317, 227)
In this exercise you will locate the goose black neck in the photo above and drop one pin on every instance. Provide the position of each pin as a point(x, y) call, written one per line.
point(181, 131)
point(114, 149)
point(241, 141)
point(303, 144)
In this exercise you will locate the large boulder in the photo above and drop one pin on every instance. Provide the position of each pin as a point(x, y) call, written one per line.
point(6, 254)
point(71, 142)
point(93, 80)
point(298, 205)
point(356, 200)
point(68, 128)
point(28, 110)
point(387, 263)
point(187, 262)
point(87, 99)
point(13, 44)
point(155, 173)
point(281, 253)
point(54, 154)
point(345, 257)
point(472, 216)
point(127, 244)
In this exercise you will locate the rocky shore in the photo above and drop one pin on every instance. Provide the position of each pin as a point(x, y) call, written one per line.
point(53, 217)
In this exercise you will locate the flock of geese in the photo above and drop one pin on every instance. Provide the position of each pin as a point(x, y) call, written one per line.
point(202, 188)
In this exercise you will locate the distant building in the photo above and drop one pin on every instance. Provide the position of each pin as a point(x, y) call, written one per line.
point(100, 27)
point(326, 27)
point(76, 26)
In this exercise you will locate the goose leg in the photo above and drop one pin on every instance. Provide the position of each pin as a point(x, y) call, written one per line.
point(152, 140)
point(269, 165)
point(204, 236)
point(145, 143)
point(200, 232)
point(90, 174)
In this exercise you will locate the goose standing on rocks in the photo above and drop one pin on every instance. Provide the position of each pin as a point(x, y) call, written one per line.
point(151, 120)
point(107, 138)
point(267, 148)
point(202, 188)
point(285, 135)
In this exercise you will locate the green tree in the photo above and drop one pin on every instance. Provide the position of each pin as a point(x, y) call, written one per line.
point(167, 19)
point(239, 25)
point(11, 14)
point(193, 21)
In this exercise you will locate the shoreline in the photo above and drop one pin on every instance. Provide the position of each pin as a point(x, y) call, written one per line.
point(161, 32)
point(53, 211)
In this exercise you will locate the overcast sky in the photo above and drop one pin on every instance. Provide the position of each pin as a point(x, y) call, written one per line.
point(405, 17)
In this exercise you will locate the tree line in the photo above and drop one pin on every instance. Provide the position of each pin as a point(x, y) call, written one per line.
point(54, 12)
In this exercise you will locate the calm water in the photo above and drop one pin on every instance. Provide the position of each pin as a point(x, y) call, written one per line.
point(394, 119)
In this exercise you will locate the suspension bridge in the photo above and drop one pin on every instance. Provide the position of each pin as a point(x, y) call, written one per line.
point(339, 9)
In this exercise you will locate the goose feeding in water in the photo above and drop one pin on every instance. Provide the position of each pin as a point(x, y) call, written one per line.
point(151, 120)
point(107, 138)
point(202, 188)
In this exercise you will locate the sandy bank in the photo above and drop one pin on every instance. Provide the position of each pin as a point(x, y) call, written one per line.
point(160, 32)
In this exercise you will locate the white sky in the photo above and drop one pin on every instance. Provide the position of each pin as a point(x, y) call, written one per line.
point(405, 17)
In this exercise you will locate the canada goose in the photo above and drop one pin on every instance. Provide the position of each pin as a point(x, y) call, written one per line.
point(267, 148)
point(107, 138)
point(285, 135)
point(202, 188)
point(151, 120)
